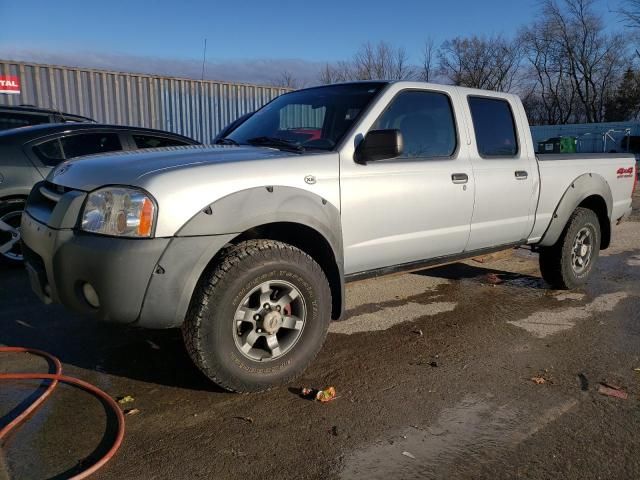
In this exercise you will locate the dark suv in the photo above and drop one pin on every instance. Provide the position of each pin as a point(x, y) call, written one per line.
point(27, 155)
point(25, 115)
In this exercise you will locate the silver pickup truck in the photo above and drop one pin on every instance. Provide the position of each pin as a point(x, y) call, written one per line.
point(247, 245)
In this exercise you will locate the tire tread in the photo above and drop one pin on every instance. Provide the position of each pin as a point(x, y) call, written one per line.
point(231, 263)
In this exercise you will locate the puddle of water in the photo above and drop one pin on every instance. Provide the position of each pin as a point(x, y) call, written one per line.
point(388, 317)
point(634, 261)
point(548, 322)
point(381, 290)
point(463, 436)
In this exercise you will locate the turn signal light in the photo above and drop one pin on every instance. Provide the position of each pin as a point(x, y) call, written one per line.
point(146, 219)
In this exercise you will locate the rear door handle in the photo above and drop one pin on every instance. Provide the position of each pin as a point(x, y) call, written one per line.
point(459, 178)
point(521, 175)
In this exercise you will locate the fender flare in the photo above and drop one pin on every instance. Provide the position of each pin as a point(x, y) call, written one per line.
point(201, 238)
point(584, 186)
point(246, 209)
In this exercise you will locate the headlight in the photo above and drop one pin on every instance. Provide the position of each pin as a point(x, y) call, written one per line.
point(119, 211)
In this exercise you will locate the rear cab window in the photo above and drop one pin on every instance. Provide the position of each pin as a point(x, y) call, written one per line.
point(494, 126)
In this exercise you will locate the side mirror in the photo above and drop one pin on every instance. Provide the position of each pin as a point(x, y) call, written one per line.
point(379, 145)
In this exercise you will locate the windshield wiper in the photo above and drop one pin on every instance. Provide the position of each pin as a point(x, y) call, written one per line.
point(226, 141)
point(275, 142)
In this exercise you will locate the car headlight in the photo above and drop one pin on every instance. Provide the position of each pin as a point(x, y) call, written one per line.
point(119, 211)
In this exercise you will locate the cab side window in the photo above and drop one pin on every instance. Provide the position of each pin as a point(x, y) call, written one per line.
point(426, 121)
point(90, 143)
point(49, 152)
point(494, 126)
point(150, 141)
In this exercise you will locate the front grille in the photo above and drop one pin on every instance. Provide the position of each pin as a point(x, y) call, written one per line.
point(43, 200)
point(50, 194)
point(60, 189)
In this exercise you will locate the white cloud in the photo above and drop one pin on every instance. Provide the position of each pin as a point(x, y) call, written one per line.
point(263, 71)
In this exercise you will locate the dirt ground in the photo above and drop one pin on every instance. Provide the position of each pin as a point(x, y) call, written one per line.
point(433, 372)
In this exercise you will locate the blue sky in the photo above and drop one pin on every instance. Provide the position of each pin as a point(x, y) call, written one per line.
point(244, 30)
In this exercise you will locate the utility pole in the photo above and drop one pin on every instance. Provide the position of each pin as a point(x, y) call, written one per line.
point(204, 58)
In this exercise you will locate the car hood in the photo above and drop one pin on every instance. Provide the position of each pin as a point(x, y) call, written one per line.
point(135, 167)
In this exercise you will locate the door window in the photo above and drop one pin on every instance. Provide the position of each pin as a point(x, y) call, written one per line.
point(150, 141)
point(14, 120)
point(426, 121)
point(494, 126)
point(50, 153)
point(90, 143)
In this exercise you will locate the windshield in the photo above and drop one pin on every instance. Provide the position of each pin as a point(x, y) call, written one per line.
point(316, 118)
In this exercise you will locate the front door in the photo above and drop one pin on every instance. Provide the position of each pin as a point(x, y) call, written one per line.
point(414, 207)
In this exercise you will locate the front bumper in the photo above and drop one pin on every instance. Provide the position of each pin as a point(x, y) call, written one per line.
point(61, 261)
point(148, 282)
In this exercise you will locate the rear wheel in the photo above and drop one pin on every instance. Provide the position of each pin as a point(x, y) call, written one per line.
point(259, 317)
point(11, 215)
point(569, 263)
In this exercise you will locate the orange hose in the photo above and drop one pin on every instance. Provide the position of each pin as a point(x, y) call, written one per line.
point(55, 378)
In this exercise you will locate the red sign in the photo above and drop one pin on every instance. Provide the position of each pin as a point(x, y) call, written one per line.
point(9, 84)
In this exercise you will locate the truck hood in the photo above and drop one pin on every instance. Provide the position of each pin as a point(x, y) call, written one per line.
point(131, 168)
point(184, 180)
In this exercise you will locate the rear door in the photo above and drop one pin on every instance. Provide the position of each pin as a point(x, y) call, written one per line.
point(417, 206)
point(505, 174)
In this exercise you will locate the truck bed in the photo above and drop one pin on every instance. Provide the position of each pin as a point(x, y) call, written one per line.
point(558, 171)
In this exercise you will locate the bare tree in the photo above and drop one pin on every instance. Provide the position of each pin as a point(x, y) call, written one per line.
point(381, 61)
point(490, 63)
point(338, 72)
point(287, 80)
point(631, 13)
point(551, 96)
point(595, 59)
point(428, 67)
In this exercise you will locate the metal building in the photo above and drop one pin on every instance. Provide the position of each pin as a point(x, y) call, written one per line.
point(198, 109)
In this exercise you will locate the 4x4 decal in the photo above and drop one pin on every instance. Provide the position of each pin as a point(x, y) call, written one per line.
point(625, 172)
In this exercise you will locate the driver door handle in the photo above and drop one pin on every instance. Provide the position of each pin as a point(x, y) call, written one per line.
point(521, 175)
point(459, 178)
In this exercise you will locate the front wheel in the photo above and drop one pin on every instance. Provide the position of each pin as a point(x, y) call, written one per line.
point(569, 263)
point(259, 317)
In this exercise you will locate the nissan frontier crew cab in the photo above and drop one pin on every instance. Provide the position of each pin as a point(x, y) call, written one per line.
point(247, 245)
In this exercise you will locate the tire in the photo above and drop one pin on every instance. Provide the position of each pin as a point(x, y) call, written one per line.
point(11, 213)
point(218, 331)
point(558, 265)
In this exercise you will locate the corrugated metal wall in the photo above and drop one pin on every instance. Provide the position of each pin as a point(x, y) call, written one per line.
point(198, 109)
